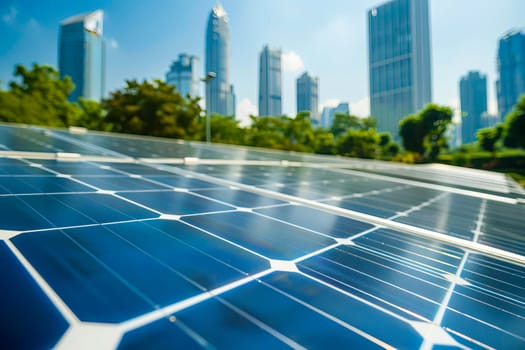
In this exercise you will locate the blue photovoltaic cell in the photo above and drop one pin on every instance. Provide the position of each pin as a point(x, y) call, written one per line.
point(294, 319)
point(503, 227)
point(161, 334)
point(212, 322)
point(47, 211)
point(272, 239)
point(17, 167)
point(454, 215)
point(139, 266)
point(136, 169)
point(119, 183)
point(375, 322)
point(40, 184)
point(28, 319)
point(366, 274)
point(74, 168)
point(175, 203)
point(182, 182)
point(239, 198)
point(329, 224)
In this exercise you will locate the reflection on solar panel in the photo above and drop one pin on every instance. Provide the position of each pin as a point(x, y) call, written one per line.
point(112, 241)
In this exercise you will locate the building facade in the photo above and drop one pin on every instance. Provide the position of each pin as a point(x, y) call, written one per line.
point(308, 96)
point(399, 61)
point(81, 55)
point(511, 68)
point(270, 82)
point(327, 117)
point(184, 74)
point(218, 90)
point(473, 99)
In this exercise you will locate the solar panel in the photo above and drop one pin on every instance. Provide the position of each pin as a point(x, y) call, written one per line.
point(117, 241)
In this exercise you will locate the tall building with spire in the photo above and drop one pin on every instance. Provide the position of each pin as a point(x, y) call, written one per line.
point(270, 82)
point(81, 55)
point(219, 92)
point(399, 61)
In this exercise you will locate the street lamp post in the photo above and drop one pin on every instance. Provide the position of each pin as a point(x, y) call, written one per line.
point(206, 81)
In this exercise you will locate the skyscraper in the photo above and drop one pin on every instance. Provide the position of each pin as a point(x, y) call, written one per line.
point(473, 96)
point(511, 68)
point(270, 87)
point(218, 90)
point(399, 61)
point(308, 95)
point(184, 75)
point(82, 55)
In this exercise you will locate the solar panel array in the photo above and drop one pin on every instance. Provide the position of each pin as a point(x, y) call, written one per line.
point(118, 241)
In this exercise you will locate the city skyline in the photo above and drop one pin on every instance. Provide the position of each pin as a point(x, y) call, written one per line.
point(335, 48)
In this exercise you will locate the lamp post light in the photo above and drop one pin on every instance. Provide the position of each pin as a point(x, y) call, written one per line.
point(206, 80)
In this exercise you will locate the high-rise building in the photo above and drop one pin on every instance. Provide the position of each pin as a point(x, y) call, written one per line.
point(327, 117)
point(184, 75)
point(308, 95)
point(511, 68)
point(270, 83)
point(81, 55)
point(399, 61)
point(473, 97)
point(218, 90)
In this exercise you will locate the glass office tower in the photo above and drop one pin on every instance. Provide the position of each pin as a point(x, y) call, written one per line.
point(399, 61)
point(218, 90)
point(81, 55)
point(270, 89)
point(511, 68)
point(473, 96)
point(184, 75)
point(308, 96)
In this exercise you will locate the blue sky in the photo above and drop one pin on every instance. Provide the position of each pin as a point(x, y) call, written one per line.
point(328, 38)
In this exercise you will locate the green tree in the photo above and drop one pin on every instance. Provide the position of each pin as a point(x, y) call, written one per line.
point(424, 133)
point(358, 143)
point(488, 137)
point(515, 126)
point(92, 115)
point(343, 122)
point(225, 129)
point(38, 96)
point(153, 108)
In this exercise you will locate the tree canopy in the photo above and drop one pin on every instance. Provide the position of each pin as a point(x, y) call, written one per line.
point(424, 133)
point(38, 96)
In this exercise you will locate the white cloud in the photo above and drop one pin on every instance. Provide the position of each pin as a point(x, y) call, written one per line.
point(245, 108)
point(360, 108)
point(10, 16)
point(292, 62)
point(113, 43)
